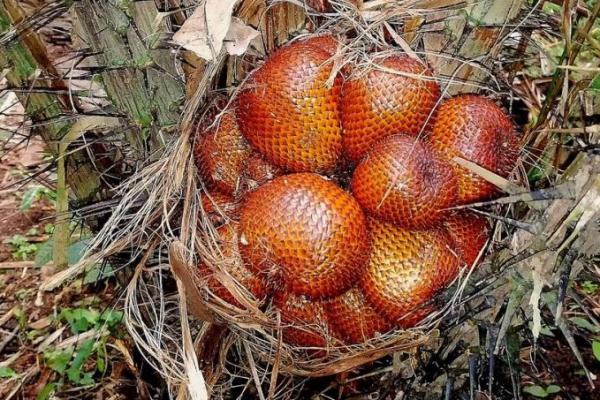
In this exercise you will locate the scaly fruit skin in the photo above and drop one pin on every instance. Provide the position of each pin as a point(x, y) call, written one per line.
point(353, 320)
point(286, 111)
point(228, 242)
point(306, 233)
point(402, 181)
point(407, 268)
point(258, 171)
point(469, 232)
point(219, 207)
point(220, 155)
point(383, 103)
point(303, 321)
point(476, 129)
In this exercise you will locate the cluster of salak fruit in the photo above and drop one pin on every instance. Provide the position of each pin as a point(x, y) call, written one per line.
point(338, 190)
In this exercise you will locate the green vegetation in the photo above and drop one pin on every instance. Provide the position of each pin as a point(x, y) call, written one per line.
point(541, 392)
point(22, 249)
point(35, 194)
point(80, 365)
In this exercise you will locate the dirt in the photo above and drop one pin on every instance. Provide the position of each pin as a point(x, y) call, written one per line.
point(17, 165)
point(30, 326)
point(28, 318)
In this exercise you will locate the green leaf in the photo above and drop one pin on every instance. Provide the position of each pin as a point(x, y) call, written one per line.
point(585, 324)
point(101, 363)
point(6, 372)
point(21, 247)
point(86, 379)
point(112, 318)
point(58, 360)
point(551, 8)
point(590, 288)
point(47, 391)
point(80, 319)
point(17, 240)
point(25, 252)
point(535, 174)
point(98, 272)
point(75, 373)
point(28, 199)
point(595, 83)
point(75, 252)
point(32, 334)
point(553, 389)
point(536, 391)
point(49, 229)
point(596, 349)
point(539, 391)
point(44, 254)
point(34, 194)
point(101, 356)
point(20, 316)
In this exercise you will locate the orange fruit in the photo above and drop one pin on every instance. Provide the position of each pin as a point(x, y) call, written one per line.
point(402, 181)
point(258, 171)
point(305, 232)
point(396, 97)
point(352, 319)
point(407, 268)
point(287, 112)
point(218, 206)
point(476, 129)
point(228, 243)
point(220, 154)
point(303, 321)
point(470, 232)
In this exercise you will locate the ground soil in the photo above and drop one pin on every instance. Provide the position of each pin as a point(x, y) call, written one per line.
point(15, 167)
point(24, 311)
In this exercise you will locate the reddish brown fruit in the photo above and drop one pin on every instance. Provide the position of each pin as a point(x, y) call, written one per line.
point(287, 112)
point(218, 207)
point(353, 320)
point(228, 243)
point(258, 171)
point(303, 321)
point(306, 232)
point(383, 103)
point(402, 181)
point(470, 232)
point(220, 154)
point(476, 129)
point(407, 268)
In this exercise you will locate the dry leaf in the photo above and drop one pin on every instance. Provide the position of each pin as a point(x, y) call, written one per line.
point(534, 302)
point(184, 273)
point(238, 37)
point(204, 32)
point(589, 235)
point(502, 183)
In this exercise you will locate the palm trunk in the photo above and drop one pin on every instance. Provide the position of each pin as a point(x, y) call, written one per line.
point(22, 55)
